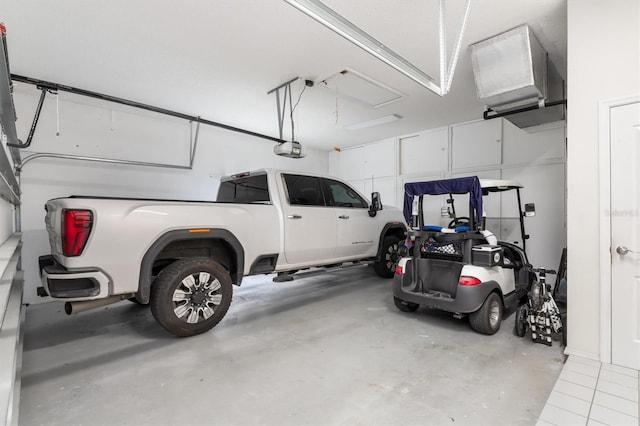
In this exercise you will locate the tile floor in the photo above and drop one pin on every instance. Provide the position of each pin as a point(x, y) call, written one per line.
point(591, 393)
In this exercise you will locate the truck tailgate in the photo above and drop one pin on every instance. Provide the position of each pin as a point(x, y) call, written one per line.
point(53, 224)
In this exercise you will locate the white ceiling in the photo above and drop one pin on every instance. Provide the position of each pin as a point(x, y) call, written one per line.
point(218, 59)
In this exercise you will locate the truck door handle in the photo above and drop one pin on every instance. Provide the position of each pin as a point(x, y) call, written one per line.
point(294, 216)
point(344, 216)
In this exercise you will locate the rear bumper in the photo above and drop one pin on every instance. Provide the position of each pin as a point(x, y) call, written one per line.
point(467, 298)
point(72, 284)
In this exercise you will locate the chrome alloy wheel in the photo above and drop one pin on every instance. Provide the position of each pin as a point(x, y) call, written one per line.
point(196, 297)
point(391, 257)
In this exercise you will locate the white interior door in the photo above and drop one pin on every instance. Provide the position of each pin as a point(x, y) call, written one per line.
point(625, 235)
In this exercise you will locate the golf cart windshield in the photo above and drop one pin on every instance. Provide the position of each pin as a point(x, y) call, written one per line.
point(465, 185)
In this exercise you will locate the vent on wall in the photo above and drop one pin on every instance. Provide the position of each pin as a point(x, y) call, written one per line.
point(353, 85)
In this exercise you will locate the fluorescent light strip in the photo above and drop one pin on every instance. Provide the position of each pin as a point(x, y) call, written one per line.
point(375, 122)
point(337, 23)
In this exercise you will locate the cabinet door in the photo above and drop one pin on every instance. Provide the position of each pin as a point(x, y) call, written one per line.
point(380, 159)
point(544, 186)
point(364, 162)
point(521, 147)
point(351, 163)
point(425, 153)
point(476, 144)
point(387, 187)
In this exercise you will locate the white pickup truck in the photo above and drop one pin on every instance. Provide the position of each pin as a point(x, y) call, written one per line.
point(182, 257)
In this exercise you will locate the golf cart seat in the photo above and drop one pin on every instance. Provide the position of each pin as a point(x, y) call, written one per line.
point(436, 228)
point(513, 255)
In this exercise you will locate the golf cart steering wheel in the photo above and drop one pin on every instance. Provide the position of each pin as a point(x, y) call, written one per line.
point(459, 221)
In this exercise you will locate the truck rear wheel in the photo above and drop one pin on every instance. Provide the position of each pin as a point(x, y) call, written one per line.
point(389, 257)
point(191, 296)
point(488, 318)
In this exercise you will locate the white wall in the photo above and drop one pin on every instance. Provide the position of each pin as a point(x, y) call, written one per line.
point(90, 128)
point(603, 64)
point(493, 149)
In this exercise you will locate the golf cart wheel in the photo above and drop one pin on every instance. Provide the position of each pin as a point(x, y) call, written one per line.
point(405, 306)
point(389, 257)
point(488, 318)
point(191, 296)
point(521, 320)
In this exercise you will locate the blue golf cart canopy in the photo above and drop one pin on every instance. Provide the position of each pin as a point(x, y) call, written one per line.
point(465, 185)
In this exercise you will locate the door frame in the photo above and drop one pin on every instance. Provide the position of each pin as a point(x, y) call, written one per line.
point(604, 150)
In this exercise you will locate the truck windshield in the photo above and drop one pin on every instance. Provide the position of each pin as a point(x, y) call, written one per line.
point(246, 190)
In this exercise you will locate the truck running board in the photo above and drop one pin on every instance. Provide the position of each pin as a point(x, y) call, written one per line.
point(284, 276)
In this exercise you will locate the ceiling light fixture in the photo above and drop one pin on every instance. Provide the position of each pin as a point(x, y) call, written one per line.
point(375, 122)
point(340, 25)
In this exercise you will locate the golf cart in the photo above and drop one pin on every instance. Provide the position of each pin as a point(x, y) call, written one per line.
point(462, 268)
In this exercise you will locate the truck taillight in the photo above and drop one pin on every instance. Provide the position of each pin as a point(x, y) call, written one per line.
point(399, 270)
point(76, 227)
point(467, 280)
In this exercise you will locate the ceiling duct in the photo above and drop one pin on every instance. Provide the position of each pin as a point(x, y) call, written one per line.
point(515, 79)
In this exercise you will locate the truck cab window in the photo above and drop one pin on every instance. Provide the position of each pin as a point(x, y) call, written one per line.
point(304, 190)
point(245, 190)
point(343, 196)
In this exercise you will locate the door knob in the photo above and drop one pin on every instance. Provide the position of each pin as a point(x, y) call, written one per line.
point(622, 250)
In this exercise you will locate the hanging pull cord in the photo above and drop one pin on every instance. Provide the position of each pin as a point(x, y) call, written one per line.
point(57, 115)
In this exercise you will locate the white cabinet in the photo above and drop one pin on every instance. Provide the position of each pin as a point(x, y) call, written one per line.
point(490, 149)
point(521, 147)
point(477, 144)
point(543, 185)
point(377, 159)
point(334, 163)
point(380, 159)
point(351, 163)
point(425, 153)
point(387, 187)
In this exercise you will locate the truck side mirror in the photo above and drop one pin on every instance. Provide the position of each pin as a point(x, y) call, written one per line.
point(529, 210)
point(376, 204)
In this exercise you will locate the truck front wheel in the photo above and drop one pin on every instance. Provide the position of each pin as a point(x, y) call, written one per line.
point(191, 296)
point(389, 257)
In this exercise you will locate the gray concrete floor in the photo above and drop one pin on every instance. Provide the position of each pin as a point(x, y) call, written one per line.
point(331, 349)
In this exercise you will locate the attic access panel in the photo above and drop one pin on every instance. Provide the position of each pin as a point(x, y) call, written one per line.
point(353, 85)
